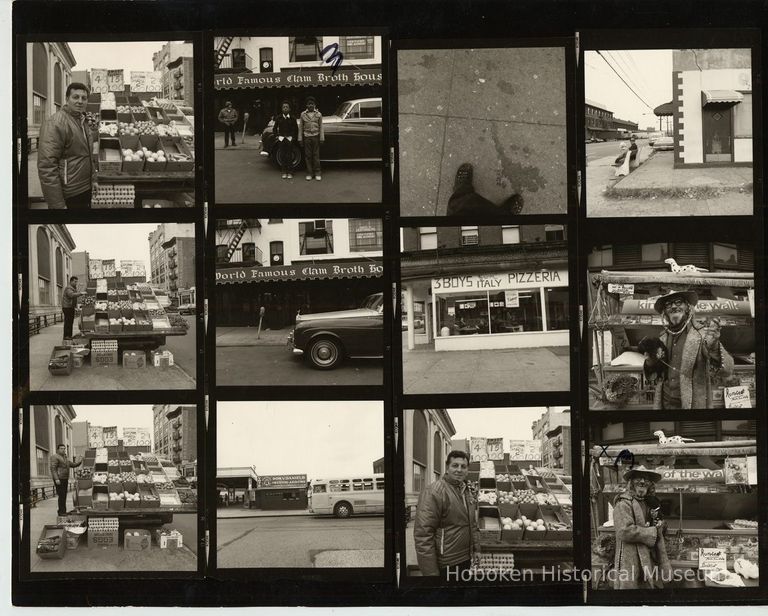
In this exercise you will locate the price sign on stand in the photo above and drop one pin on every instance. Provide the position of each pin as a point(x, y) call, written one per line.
point(495, 448)
point(737, 397)
point(621, 289)
point(511, 299)
point(711, 559)
point(115, 80)
point(99, 82)
point(138, 81)
point(478, 451)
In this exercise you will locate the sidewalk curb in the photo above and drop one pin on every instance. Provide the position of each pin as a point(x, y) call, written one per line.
point(224, 345)
point(268, 515)
point(699, 192)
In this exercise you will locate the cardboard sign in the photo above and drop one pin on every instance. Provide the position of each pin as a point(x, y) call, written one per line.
point(737, 397)
point(621, 289)
point(136, 437)
point(99, 83)
point(736, 471)
point(95, 438)
point(478, 451)
point(495, 448)
point(511, 299)
point(146, 81)
point(711, 559)
point(524, 450)
point(115, 80)
point(451, 311)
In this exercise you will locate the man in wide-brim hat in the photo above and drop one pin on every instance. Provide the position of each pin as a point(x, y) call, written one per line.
point(641, 558)
point(693, 354)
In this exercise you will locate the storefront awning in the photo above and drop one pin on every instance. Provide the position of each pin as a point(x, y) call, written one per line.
point(368, 76)
point(663, 110)
point(300, 271)
point(709, 97)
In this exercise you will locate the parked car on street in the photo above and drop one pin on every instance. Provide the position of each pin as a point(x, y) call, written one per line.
point(663, 143)
point(352, 133)
point(325, 339)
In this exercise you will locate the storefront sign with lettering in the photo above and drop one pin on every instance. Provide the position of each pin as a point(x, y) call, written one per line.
point(305, 77)
point(737, 397)
point(621, 289)
point(692, 474)
point(282, 481)
point(300, 271)
point(500, 281)
point(704, 306)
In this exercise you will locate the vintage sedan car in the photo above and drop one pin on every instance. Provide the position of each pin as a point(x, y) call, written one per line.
point(352, 133)
point(663, 143)
point(325, 339)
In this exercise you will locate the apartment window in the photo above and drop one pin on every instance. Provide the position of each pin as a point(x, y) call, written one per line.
point(249, 252)
point(510, 234)
point(276, 256)
point(742, 117)
point(356, 47)
point(653, 253)
point(470, 236)
point(43, 266)
point(39, 81)
point(59, 269)
point(305, 48)
point(601, 256)
point(427, 238)
point(365, 234)
point(316, 237)
point(266, 64)
point(221, 253)
point(554, 233)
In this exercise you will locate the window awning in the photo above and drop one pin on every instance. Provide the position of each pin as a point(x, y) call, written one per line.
point(369, 76)
point(711, 97)
point(300, 271)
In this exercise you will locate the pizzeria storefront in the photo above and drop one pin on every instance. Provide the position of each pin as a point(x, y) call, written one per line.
point(285, 291)
point(498, 310)
point(261, 94)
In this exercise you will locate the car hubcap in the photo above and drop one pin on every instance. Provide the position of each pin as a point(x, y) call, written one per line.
point(325, 353)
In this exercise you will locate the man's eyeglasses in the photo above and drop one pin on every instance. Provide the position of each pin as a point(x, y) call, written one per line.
point(642, 483)
point(674, 302)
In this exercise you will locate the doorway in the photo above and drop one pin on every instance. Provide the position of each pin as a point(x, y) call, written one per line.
point(717, 125)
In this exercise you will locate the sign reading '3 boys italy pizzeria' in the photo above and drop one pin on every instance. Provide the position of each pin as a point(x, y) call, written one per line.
point(501, 281)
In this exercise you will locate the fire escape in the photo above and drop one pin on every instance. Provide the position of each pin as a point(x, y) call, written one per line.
point(233, 235)
point(222, 49)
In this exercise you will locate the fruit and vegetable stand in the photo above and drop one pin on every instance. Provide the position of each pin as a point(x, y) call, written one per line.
point(145, 151)
point(621, 306)
point(708, 497)
point(524, 514)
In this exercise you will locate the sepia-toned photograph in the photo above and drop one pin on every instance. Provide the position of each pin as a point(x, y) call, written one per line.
point(488, 490)
point(674, 504)
point(112, 307)
point(113, 488)
point(110, 124)
point(672, 326)
point(485, 309)
point(299, 301)
point(298, 119)
point(300, 484)
point(669, 132)
point(482, 132)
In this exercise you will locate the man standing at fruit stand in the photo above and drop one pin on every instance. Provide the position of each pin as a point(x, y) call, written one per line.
point(60, 466)
point(445, 532)
point(228, 117)
point(68, 305)
point(64, 164)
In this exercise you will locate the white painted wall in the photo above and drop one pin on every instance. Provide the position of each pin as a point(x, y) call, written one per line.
point(524, 340)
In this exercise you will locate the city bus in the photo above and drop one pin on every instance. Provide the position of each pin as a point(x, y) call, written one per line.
point(344, 497)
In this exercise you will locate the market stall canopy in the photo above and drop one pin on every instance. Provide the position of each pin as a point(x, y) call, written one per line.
point(708, 448)
point(663, 110)
point(369, 76)
point(300, 271)
point(672, 279)
point(709, 97)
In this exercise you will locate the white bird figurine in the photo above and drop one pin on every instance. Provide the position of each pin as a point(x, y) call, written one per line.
point(672, 440)
point(683, 269)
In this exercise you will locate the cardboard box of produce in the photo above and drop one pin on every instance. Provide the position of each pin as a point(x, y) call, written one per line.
point(137, 539)
point(51, 543)
point(131, 163)
point(100, 495)
point(512, 526)
point(178, 156)
point(134, 359)
point(60, 362)
point(489, 523)
point(152, 164)
point(558, 528)
point(536, 530)
point(168, 539)
point(110, 158)
point(157, 357)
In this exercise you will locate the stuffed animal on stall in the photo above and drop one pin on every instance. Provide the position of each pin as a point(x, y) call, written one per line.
point(656, 359)
point(672, 440)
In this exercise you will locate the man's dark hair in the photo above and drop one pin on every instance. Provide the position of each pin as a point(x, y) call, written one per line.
point(456, 454)
point(76, 85)
point(71, 278)
point(60, 445)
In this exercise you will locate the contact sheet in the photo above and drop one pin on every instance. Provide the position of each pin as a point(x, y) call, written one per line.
point(339, 305)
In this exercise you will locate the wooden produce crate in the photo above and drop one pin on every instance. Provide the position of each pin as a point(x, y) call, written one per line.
point(131, 142)
point(110, 156)
point(489, 523)
point(174, 146)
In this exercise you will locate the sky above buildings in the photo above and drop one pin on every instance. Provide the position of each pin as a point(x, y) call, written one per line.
point(129, 56)
point(318, 439)
point(120, 415)
point(509, 423)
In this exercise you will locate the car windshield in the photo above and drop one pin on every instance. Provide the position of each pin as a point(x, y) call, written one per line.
point(342, 109)
point(373, 302)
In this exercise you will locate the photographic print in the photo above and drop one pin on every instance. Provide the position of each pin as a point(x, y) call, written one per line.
point(482, 131)
point(299, 301)
point(669, 132)
point(485, 308)
point(672, 326)
point(318, 503)
point(298, 119)
point(668, 510)
point(113, 488)
point(110, 124)
point(489, 491)
point(112, 307)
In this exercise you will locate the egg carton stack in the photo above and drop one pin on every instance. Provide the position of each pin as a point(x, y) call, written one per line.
point(495, 562)
point(114, 196)
point(103, 532)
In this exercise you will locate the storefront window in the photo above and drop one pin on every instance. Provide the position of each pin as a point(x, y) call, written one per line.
point(356, 47)
point(418, 477)
point(470, 236)
point(305, 48)
point(601, 256)
point(365, 234)
point(470, 315)
point(516, 311)
point(652, 253)
point(427, 238)
point(556, 301)
point(726, 254)
point(510, 234)
point(554, 232)
point(742, 117)
point(419, 322)
point(276, 253)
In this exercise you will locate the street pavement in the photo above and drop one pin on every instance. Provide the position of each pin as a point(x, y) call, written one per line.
point(301, 541)
point(85, 558)
point(276, 365)
point(244, 176)
point(502, 110)
point(655, 188)
point(491, 370)
point(179, 376)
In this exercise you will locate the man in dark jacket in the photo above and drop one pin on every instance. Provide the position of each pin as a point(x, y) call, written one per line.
point(60, 466)
point(68, 305)
point(286, 131)
point(64, 163)
point(445, 531)
point(228, 116)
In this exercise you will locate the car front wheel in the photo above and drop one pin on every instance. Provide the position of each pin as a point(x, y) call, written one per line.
point(293, 156)
point(342, 510)
point(325, 353)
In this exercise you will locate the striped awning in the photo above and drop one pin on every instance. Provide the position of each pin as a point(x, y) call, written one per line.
point(300, 271)
point(709, 97)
